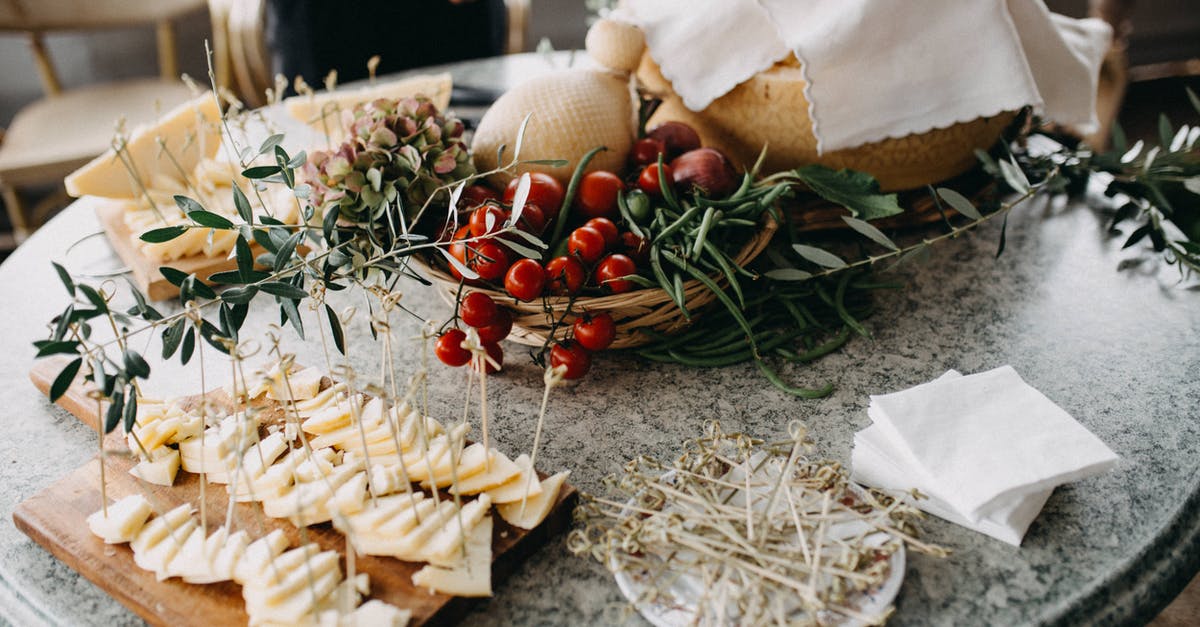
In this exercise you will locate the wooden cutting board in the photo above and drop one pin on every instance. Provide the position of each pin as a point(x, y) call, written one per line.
point(144, 269)
point(54, 518)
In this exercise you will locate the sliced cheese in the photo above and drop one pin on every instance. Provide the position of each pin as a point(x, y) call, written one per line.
point(258, 556)
point(445, 547)
point(323, 111)
point(162, 470)
point(472, 576)
point(535, 508)
point(515, 489)
point(376, 613)
point(223, 552)
point(409, 545)
point(125, 519)
point(157, 558)
point(324, 399)
point(497, 471)
point(301, 385)
point(160, 527)
point(191, 132)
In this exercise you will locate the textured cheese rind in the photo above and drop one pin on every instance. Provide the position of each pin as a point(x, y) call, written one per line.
point(125, 519)
point(190, 131)
point(516, 488)
point(536, 507)
point(311, 108)
point(472, 576)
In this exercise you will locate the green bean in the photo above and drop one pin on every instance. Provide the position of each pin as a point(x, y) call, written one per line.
point(705, 224)
point(820, 351)
point(659, 220)
point(564, 212)
point(652, 356)
point(773, 377)
point(737, 222)
point(667, 187)
point(747, 200)
point(676, 225)
point(623, 207)
point(727, 268)
point(840, 306)
point(661, 275)
point(678, 281)
point(720, 294)
point(774, 195)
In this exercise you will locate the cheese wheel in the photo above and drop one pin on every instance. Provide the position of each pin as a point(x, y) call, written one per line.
point(770, 109)
point(573, 112)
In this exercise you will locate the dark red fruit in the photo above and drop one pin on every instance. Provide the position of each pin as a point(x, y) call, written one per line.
point(499, 329)
point(648, 179)
point(597, 195)
point(595, 332)
point(677, 137)
point(475, 195)
point(525, 280)
point(449, 350)
point(570, 354)
point(477, 309)
point(544, 191)
point(706, 170)
point(646, 150)
point(636, 248)
point(564, 276)
point(609, 271)
point(497, 354)
point(479, 220)
point(607, 228)
point(587, 243)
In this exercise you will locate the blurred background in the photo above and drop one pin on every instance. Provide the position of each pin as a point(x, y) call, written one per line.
point(268, 36)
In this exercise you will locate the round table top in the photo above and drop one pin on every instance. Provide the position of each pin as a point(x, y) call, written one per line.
point(1109, 335)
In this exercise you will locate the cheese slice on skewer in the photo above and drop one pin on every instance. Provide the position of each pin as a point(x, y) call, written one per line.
point(191, 132)
point(471, 576)
point(409, 546)
point(157, 557)
point(515, 489)
point(297, 386)
point(160, 527)
point(324, 399)
point(445, 547)
point(223, 552)
point(159, 471)
point(496, 472)
point(536, 508)
point(125, 519)
point(258, 556)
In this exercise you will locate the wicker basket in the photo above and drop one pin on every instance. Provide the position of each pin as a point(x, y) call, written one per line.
point(644, 308)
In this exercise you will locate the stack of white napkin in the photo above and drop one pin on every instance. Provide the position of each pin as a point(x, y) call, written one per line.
point(883, 68)
point(987, 449)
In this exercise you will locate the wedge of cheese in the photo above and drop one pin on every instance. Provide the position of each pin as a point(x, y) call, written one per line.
point(445, 547)
point(296, 386)
point(324, 399)
point(159, 471)
point(222, 551)
point(255, 462)
point(258, 556)
point(516, 488)
point(125, 519)
point(323, 111)
point(534, 510)
point(476, 475)
point(472, 575)
point(191, 132)
point(161, 544)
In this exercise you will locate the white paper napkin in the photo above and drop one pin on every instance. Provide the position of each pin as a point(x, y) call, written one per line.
point(883, 68)
point(987, 449)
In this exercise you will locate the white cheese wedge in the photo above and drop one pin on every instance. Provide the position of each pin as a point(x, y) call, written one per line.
point(314, 568)
point(445, 547)
point(255, 463)
point(258, 556)
point(125, 519)
point(323, 111)
point(157, 558)
point(300, 385)
point(381, 510)
point(162, 470)
point(191, 558)
point(475, 475)
point(472, 577)
point(190, 131)
point(223, 552)
point(279, 567)
point(376, 613)
point(159, 527)
point(409, 546)
point(324, 399)
point(328, 419)
point(351, 496)
point(516, 488)
point(536, 508)
point(295, 608)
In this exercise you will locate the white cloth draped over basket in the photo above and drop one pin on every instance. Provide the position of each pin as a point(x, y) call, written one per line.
point(879, 69)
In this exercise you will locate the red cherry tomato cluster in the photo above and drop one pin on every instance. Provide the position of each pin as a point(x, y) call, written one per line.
point(595, 251)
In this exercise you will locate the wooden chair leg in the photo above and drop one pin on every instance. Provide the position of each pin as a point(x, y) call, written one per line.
point(16, 212)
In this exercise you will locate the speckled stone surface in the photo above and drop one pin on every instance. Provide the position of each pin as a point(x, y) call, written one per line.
point(1117, 348)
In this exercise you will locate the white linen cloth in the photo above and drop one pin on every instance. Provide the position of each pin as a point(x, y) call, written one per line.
point(988, 449)
point(878, 69)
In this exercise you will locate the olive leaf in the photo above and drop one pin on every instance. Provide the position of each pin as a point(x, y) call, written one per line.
point(335, 329)
point(856, 191)
point(820, 257)
point(960, 203)
point(64, 379)
point(870, 232)
point(163, 234)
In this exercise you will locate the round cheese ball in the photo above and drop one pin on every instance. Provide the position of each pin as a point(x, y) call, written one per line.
point(616, 45)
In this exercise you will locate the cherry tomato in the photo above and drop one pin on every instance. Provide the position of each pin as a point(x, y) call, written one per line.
point(564, 275)
point(636, 248)
point(488, 259)
point(479, 220)
point(532, 220)
point(570, 354)
point(449, 350)
point(525, 280)
point(586, 242)
point(646, 150)
point(611, 268)
point(497, 354)
point(477, 309)
point(544, 191)
point(595, 332)
point(597, 195)
point(607, 228)
point(676, 136)
point(475, 195)
point(501, 325)
point(458, 250)
point(648, 179)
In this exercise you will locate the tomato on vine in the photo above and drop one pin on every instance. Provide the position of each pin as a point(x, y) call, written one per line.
point(477, 309)
point(573, 356)
point(597, 195)
point(564, 275)
point(525, 280)
point(595, 332)
point(544, 191)
point(449, 350)
point(648, 179)
point(499, 328)
point(607, 228)
point(497, 354)
point(610, 270)
point(587, 243)
point(479, 220)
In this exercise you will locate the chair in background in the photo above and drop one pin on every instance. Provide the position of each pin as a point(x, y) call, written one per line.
point(64, 130)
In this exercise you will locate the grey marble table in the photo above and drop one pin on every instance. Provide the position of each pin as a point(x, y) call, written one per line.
point(1109, 335)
